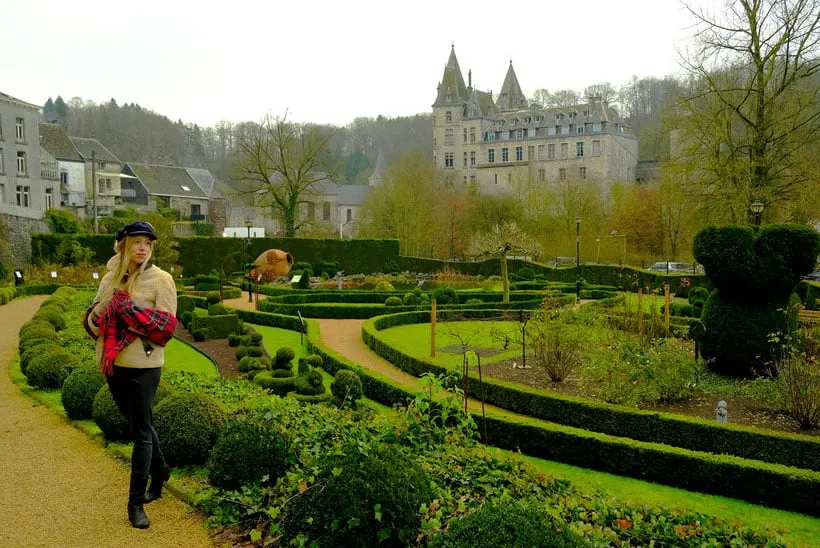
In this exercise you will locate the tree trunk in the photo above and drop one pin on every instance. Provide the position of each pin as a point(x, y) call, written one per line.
point(505, 280)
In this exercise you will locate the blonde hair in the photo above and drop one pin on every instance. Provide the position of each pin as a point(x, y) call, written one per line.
point(122, 278)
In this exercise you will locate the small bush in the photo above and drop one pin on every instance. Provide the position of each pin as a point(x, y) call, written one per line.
point(186, 317)
point(50, 370)
point(698, 295)
point(255, 351)
point(249, 364)
point(798, 383)
point(341, 514)
point(347, 386)
point(27, 344)
point(284, 355)
point(246, 452)
point(512, 524)
point(79, 391)
point(241, 352)
point(256, 337)
point(188, 425)
point(384, 285)
point(301, 266)
point(315, 360)
point(410, 299)
point(217, 310)
point(525, 273)
point(52, 315)
point(304, 281)
point(474, 302)
point(34, 327)
point(200, 334)
point(108, 417)
point(42, 347)
point(265, 362)
point(311, 384)
point(303, 368)
point(393, 301)
point(557, 351)
point(212, 297)
point(445, 295)
point(233, 339)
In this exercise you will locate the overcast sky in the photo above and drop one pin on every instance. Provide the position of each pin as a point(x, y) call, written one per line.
point(321, 60)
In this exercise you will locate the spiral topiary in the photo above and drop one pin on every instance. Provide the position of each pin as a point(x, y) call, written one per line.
point(79, 391)
point(347, 386)
point(311, 384)
point(512, 524)
point(108, 417)
point(303, 367)
point(278, 385)
point(283, 356)
point(246, 452)
point(188, 425)
point(354, 482)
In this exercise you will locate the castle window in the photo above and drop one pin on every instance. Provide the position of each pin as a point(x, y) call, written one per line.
point(579, 149)
point(540, 152)
point(472, 158)
point(326, 211)
point(582, 172)
point(465, 161)
point(519, 133)
point(519, 154)
point(465, 134)
point(542, 174)
point(596, 127)
point(448, 160)
point(564, 130)
point(495, 178)
point(551, 151)
point(530, 153)
point(472, 135)
point(551, 131)
point(448, 116)
point(596, 148)
point(448, 136)
point(586, 113)
point(564, 150)
point(579, 129)
point(505, 154)
point(349, 215)
point(527, 119)
point(491, 156)
point(562, 174)
point(491, 135)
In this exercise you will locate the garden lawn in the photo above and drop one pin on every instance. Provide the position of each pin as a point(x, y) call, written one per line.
point(801, 530)
point(182, 357)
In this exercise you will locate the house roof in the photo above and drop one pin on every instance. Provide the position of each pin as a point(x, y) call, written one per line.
point(353, 194)
point(19, 102)
point(86, 146)
point(452, 83)
point(203, 178)
point(511, 96)
point(167, 181)
point(55, 140)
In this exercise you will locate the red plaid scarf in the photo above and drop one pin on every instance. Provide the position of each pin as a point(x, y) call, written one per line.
point(122, 315)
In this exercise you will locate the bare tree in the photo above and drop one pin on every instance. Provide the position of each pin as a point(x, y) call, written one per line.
point(605, 90)
point(281, 164)
point(499, 242)
point(753, 103)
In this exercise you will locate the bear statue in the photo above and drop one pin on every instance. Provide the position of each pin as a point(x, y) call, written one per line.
point(754, 273)
point(271, 264)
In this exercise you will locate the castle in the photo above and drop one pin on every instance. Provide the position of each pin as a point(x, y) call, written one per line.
point(491, 144)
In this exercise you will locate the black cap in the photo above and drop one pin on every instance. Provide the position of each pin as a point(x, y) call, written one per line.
point(137, 228)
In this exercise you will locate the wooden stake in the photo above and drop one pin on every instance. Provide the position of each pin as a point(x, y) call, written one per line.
point(640, 311)
point(433, 328)
point(667, 297)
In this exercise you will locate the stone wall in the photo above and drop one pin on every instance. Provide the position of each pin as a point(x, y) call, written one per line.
point(19, 231)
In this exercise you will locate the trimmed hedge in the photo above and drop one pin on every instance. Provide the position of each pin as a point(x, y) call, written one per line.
point(49, 370)
point(79, 391)
point(690, 433)
point(188, 425)
point(366, 311)
point(809, 293)
point(218, 327)
point(108, 417)
point(247, 451)
point(7, 295)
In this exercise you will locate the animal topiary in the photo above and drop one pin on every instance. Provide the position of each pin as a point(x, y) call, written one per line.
point(346, 387)
point(755, 273)
point(247, 451)
point(354, 482)
point(79, 391)
point(315, 360)
point(108, 417)
point(188, 425)
point(311, 384)
point(698, 295)
point(512, 524)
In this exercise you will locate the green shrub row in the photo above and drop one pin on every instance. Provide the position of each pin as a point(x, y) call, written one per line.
point(36, 289)
point(228, 292)
point(757, 482)
point(689, 433)
point(361, 297)
point(7, 294)
point(218, 327)
point(365, 311)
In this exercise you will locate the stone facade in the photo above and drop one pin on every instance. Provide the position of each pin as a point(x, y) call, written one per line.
point(20, 226)
point(492, 145)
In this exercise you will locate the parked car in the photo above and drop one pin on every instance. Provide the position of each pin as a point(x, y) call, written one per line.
point(814, 276)
point(671, 267)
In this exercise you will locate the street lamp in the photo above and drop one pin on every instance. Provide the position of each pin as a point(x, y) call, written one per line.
point(577, 258)
point(756, 208)
point(249, 224)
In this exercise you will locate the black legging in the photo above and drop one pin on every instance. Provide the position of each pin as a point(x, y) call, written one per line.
point(133, 391)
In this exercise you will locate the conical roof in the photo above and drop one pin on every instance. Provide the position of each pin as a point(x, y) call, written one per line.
point(511, 96)
point(452, 89)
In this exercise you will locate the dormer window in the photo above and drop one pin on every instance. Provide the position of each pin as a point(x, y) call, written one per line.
point(527, 120)
point(586, 113)
point(559, 116)
point(449, 97)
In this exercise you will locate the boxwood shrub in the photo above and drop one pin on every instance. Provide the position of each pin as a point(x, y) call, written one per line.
point(49, 370)
point(42, 346)
point(247, 451)
point(188, 425)
point(79, 391)
point(53, 315)
point(108, 417)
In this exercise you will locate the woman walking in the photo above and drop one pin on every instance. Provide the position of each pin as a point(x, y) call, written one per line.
point(133, 318)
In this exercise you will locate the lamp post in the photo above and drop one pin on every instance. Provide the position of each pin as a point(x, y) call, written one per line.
point(249, 224)
point(578, 259)
point(756, 207)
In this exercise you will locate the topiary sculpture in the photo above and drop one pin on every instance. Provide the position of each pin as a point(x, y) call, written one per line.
point(755, 273)
point(188, 426)
point(79, 391)
point(108, 417)
point(247, 451)
point(346, 387)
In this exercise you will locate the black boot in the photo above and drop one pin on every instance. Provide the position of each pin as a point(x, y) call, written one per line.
point(136, 498)
point(158, 478)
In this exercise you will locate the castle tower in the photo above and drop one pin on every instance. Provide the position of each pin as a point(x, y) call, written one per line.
point(378, 173)
point(511, 96)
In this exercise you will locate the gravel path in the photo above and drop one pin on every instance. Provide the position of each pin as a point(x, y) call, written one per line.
point(59, 488)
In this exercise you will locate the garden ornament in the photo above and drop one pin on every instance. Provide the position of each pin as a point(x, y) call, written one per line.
point(271, 264)
point(722, 412)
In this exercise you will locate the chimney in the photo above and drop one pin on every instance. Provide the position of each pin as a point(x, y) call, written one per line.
point(470, 79)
